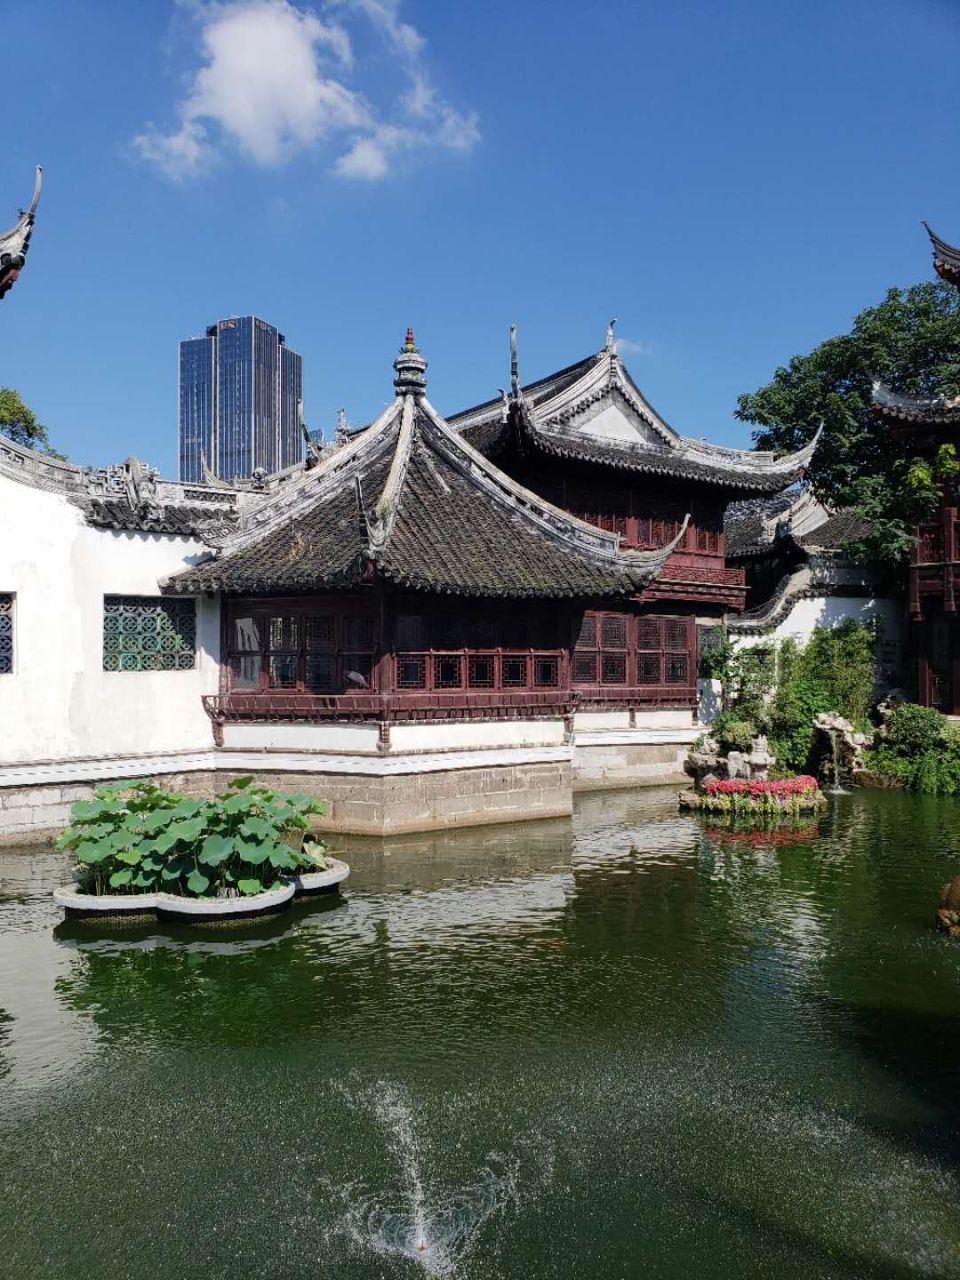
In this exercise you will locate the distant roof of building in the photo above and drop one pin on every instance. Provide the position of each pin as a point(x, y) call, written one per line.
point(409, 500)
point(131, 497)
point(894, 405)
point(755, 528)
point(15, 242)
point(750, 527)
point(946, 259)
point(837, 532)
point(594, 412)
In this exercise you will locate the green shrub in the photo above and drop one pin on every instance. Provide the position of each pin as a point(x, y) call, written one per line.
point(913, 730)
point(921, 751)
point(734, 733)
point(834, 671)
point(135, 837)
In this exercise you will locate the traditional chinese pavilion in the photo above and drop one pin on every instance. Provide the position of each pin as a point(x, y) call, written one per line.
point(434, 621)
point(934, 575)
point(544, 553)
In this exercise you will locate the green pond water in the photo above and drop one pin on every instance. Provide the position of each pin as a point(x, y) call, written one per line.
point(622, 1045)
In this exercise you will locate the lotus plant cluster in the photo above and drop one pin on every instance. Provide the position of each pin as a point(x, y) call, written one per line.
point(137, 838)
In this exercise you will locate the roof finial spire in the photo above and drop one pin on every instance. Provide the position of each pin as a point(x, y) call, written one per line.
point(514, 365)
point(410, 369)
point(611, 343)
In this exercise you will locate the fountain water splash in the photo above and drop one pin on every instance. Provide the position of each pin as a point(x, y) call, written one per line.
point(836, 789)
point(436, 1232)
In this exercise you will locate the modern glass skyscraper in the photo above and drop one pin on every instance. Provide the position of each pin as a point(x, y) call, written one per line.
point(241, 389)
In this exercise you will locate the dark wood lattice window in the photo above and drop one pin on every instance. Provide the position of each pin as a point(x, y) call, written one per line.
point(601, 653)
point(663, 651)
point(148, 633)
point(6, 635)
point(292, 649)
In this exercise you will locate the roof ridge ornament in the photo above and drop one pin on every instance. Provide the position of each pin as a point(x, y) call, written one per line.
point(610, 343)
point(15, 242)
point(514, 364)
point(410, 376)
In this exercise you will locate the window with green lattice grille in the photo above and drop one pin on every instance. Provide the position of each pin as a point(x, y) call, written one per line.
point(148, 633)
point(6, 635)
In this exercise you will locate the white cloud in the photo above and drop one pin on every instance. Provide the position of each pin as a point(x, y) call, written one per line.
point(634, 348)
point(274, 82)
point(384, 13)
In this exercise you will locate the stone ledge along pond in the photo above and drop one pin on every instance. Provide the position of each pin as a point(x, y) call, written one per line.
point(626, 1045)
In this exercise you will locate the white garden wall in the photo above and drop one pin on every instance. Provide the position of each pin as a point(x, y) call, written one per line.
point(59, 703)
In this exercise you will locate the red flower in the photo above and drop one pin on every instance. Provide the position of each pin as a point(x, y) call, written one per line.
point(798, 786)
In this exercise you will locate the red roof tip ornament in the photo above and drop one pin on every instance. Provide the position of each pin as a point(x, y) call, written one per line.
point(409, 344)
point(15, 242)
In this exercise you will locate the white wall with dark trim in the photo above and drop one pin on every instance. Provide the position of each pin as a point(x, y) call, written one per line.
point(58, 703)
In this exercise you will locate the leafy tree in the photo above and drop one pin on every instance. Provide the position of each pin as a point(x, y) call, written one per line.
point(20, 424)
point(911, 341)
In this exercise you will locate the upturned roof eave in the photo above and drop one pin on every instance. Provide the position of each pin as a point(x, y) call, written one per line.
point(938, 411)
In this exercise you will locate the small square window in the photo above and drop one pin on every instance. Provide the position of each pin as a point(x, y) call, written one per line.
point(514, 672)
point(147, 633)
point(585, 668)
point(411, 671)
point(447, 671)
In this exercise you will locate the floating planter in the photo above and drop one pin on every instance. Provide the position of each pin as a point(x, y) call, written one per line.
point(767, 798)
point(104, 906)
point(308, 883)
point(238, 855)
point(175, 906)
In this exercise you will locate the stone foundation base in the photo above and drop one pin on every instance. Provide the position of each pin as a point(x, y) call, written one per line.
point(366, 796)
point(361, 804)
point(628, 765)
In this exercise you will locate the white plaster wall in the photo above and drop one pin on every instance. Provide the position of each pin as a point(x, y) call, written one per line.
point(598, 721)
point(829, 611)
point(467, 736)
point(356, 739)
point(59, 703)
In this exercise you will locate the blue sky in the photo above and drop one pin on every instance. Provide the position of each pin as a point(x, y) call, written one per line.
point(732, 180)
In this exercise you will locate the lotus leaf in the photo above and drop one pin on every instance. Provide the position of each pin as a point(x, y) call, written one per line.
point(258, 827)
point(216, 849)
point(90, 852)
point(197, 882)
point(253, 854)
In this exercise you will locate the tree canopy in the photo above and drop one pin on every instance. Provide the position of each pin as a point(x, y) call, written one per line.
point(911, 341)
point(19, 423)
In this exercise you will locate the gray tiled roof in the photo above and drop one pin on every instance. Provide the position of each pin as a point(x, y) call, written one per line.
point(839, 531)
point(749, 525)
point(548, 417)
point(946, 258)
point(411, 502)
point(940, 411)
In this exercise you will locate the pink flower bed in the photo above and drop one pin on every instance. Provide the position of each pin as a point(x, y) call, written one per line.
point(778, 787)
